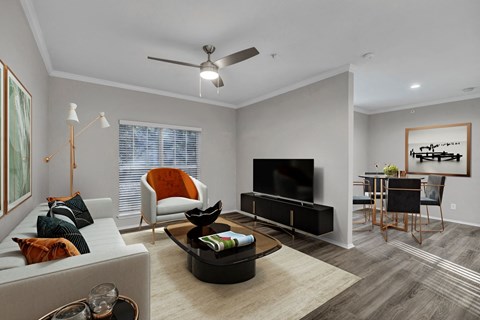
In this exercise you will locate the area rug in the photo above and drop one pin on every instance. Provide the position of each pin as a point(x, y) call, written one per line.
point(288, 285)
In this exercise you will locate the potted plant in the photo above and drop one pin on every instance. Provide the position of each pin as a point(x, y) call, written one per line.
point(391, 170)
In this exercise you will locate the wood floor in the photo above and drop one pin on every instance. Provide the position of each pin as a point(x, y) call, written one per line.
point(400, 279)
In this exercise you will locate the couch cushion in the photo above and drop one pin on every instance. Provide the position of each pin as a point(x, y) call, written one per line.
point(40, 250)
point(177, 204)
point(103, 235)
point(49, 227)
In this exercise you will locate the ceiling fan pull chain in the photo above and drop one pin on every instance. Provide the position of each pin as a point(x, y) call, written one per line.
point(218, 85)
point(200, 86)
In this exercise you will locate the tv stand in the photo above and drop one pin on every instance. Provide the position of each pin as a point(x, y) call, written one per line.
point(312, 218)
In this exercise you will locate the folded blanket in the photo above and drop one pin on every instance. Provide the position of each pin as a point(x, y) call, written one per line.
point(226, 240)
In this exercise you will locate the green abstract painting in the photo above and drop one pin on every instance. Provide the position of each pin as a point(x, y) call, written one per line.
point(19, 130)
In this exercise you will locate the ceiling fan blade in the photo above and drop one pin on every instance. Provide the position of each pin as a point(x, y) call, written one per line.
point(217, 82)
point(236, 57)
point(175, 62)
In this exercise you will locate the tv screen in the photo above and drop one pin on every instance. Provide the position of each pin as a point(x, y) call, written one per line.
point(287, 178)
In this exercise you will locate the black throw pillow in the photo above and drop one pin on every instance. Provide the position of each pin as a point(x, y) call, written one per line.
point(80, 210)
point(61, 211)
point(50, 227)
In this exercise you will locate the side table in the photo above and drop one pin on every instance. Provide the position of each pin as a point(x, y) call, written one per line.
point(124, 309)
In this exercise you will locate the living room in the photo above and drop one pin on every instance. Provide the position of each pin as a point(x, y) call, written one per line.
point(316, 118)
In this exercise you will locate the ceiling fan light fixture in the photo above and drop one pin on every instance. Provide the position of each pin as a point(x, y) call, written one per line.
point(208, 71)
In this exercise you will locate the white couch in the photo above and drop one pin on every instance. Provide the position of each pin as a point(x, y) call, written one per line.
point(31, 291)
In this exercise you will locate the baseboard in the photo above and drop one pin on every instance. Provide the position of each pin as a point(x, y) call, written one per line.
point(454, 221)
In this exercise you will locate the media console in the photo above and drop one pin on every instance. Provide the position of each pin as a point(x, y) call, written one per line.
point(315, 219)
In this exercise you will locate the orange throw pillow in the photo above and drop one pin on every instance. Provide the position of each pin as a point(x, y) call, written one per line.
point(170, 182)
point(46, 249)
point(66, 198)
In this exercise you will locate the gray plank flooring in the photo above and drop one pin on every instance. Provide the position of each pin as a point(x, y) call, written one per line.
point(400, 279)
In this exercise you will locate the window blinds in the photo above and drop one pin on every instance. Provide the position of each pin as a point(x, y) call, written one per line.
point(143, 146)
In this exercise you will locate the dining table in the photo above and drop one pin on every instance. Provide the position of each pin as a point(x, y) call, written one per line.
point(382, 178)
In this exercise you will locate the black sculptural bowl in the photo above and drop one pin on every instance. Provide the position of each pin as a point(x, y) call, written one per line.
point(205, 217)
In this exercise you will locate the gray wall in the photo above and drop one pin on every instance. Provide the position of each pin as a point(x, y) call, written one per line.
point(386, 138)
point(97, 149)
point(360, 144)
point(316, 122)
point(19, 51)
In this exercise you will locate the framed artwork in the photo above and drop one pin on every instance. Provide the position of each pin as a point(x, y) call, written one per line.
point(2, 101)
point(443, 149)
point(18, 142)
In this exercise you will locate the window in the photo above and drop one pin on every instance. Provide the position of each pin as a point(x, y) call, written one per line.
point(143, 146)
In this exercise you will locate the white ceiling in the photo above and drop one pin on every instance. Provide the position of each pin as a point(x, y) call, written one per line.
point(432, 42)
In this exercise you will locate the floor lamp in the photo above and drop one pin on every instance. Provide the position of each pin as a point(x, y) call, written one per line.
point(72, 119)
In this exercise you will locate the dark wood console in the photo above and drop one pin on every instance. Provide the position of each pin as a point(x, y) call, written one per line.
point(315, 219)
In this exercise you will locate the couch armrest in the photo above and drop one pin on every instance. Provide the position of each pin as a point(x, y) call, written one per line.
point(34, 290)
point(100, 207)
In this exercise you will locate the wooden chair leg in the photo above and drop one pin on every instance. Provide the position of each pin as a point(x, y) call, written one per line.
point(153, 232)
point(441, 216)
point(141, 220)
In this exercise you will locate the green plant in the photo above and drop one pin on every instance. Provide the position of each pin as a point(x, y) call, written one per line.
point(390, 169)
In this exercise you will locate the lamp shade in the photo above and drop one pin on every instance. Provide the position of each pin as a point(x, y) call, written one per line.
point(208, 70)
point(72, 117)
point(103, 121)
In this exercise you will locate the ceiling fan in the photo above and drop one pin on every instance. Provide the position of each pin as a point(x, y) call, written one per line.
point(209, 69)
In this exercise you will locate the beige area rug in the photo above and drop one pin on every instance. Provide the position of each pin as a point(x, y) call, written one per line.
point(288, 285)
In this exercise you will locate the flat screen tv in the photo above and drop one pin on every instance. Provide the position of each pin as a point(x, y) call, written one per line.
point(286, 178)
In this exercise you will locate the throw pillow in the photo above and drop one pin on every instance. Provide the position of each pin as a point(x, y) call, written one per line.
point(80, 210)
point(39, 250)
point(78, 207)
point(51, 200)
point(50, 227)
point(61, 211)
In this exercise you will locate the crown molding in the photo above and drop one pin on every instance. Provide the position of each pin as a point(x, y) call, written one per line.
point(322, 76)
point(32, 19)
point(419, 105)
point(72, 76)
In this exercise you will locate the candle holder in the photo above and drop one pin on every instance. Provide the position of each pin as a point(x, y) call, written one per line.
point(101, 300)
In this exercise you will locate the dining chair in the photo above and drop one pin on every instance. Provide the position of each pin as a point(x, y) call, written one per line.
point(366, 200)
point(433, 190)
point(403, 196)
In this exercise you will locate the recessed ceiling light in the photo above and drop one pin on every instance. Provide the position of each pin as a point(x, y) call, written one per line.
point(468, 89)
point(415, 86)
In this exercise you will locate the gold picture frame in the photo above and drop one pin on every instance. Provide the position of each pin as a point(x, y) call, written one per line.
point(439, 149)
point(18, 142)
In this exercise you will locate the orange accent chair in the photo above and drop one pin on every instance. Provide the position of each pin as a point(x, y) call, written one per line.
point(167, 193)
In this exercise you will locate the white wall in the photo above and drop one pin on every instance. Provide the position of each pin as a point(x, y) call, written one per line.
point(19, 51)
point(386, 138)
point(97, 149)
point(316, 122)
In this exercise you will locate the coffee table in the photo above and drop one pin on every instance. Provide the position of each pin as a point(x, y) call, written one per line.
point(229, 266)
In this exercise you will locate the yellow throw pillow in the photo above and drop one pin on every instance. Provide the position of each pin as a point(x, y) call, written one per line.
point(46, 249)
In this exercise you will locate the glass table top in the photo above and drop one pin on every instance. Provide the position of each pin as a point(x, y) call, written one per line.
point(186, 235)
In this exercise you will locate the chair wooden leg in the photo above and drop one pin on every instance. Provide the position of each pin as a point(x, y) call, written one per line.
point(153, 233)
point(141, 220)
point(420, 238)
point(441, 216)
point(428, 216)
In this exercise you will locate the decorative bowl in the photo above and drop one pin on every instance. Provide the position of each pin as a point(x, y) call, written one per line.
point(205, 217)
